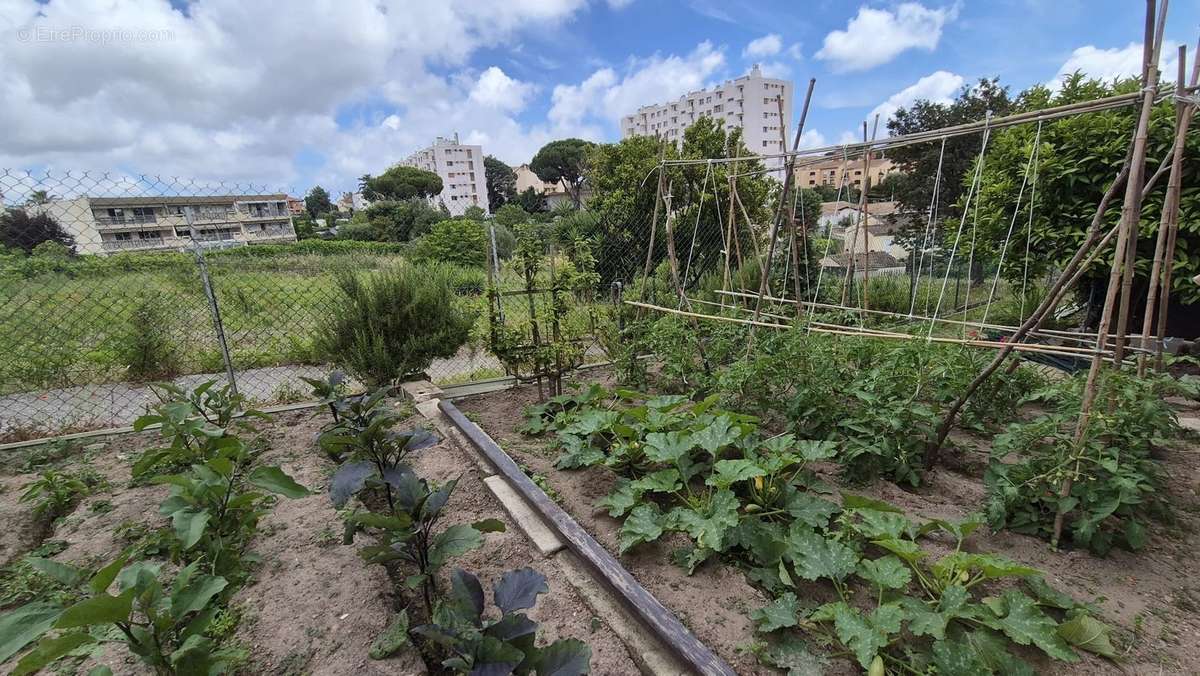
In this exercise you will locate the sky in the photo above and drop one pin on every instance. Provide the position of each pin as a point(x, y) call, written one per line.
point(291, 94)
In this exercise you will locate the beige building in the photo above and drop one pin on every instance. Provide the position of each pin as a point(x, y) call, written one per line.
point(108, 224)
point(751, 102)
point(836, 172)
point(461, 170)
point(554, 193)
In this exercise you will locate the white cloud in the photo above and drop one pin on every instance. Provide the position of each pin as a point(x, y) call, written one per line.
point(619, 4)
point(776, 69)
point(939, 87)
point(767, 45)
point(607, 96)
point(496, 89)
point(847, 137)
point(875, 36)
point(1110, 64)
point(811, 138)
point(237, 91)
point(796, 51)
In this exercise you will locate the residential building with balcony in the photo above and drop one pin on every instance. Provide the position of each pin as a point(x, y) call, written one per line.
point(751, 102)
point(461, 169)
point(835, 172)
point(103, 225)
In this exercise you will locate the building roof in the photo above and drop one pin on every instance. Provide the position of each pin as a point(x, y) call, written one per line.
point(878, 260)
point(180, 200)
point(874, 208)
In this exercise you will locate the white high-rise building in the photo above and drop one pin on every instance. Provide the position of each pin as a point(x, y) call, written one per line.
point(461, 170)
point(751, 102)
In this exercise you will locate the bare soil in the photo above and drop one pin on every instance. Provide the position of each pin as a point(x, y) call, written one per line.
point(1151, 597)
point(312, 605)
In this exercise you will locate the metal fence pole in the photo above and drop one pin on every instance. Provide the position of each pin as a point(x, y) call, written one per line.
point(213, 308)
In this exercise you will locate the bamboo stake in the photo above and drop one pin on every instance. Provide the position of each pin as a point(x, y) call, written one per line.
point(1132, 208)
point(866, 233)
point(674, 263)
point(1164, 253)
point(658, 198)
point(729, 228)
point(764, 277)
point(1130, 213)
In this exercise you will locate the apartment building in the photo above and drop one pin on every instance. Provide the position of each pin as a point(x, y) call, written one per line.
point(751, 102)
point(836, 172)
point(461, 170)
point(102, 225)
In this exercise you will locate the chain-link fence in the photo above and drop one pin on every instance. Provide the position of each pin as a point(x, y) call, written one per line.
point(109, 283)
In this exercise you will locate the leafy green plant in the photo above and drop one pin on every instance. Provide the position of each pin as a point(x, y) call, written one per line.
point(506, 644)
point(197, 422)
point(213, 510)
point(164, 625)
point(147, 349)
point(394, 323)
point(54, 493)
point(330, 390)
point(407, 530)
point(1116, 483)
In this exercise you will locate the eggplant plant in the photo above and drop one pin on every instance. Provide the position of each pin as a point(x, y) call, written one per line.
point(331, 391)
point(507, 644)
point(194, 421)
point(407, 531)
point(163, 625)
point(214, 509)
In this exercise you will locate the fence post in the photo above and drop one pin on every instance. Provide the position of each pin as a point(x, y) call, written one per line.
point(213, 309)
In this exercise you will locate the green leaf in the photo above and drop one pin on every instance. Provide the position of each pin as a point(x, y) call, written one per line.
point(786, 650)
point(958, 658)
point(99, 609)
point(24, 625)
point(852, 501)
point(519, 589)
point(276, 480)
point(858, 634)
point(876, 525)
point(392, 639)
point(1135, 534)
point(644, 524)
point(50, 649)
point(728, 472)
point(69, 575)
point(921, 620)
point(489, 526)
point(621, 500)
point(991, 566)
point(816, 557)
point(104, 577)
point(810, 509)
point(564, 657)
point(189, 526)
point(905, 549)
point(668, 447)
point(662, 481)
point(888, 572)
point(813, 451)
point(1084, 631)
point(348, 480)
point(578, 453)
point(717, 435)
point(195, 595)
point(782, 612)
point(454, 541)
point(708, 528)
point(1025, 623)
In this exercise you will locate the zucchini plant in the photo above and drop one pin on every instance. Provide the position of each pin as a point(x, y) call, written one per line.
point(506, 644)
point(164, 625)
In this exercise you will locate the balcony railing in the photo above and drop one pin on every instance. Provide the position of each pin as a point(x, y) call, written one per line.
point(270, 212)
point(134, 244)
point(127, 220)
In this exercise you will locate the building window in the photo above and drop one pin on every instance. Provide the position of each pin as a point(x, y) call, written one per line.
point(122, 236)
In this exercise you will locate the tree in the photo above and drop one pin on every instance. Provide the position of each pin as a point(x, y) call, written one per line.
point(501, 182)
point(1077, 159)
point(510, 215)
point(317, 202)
point(400, 221)
point(564, 160)
point(531, 201)
point(461, 241)
point(919, 162)
point(401, 183)
point(39, 197)
point(19, 230)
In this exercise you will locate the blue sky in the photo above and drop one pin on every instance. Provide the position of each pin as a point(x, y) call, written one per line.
point(288, 95)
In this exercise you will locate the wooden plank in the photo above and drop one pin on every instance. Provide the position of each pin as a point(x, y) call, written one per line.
point(641, 603)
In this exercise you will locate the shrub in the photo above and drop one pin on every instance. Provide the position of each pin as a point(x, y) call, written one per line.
point(395, 323)
point(462, 242)
point(146, 349)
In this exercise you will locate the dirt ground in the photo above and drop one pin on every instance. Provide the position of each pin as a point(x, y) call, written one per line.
point(312, 605)
point(1152, 598)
